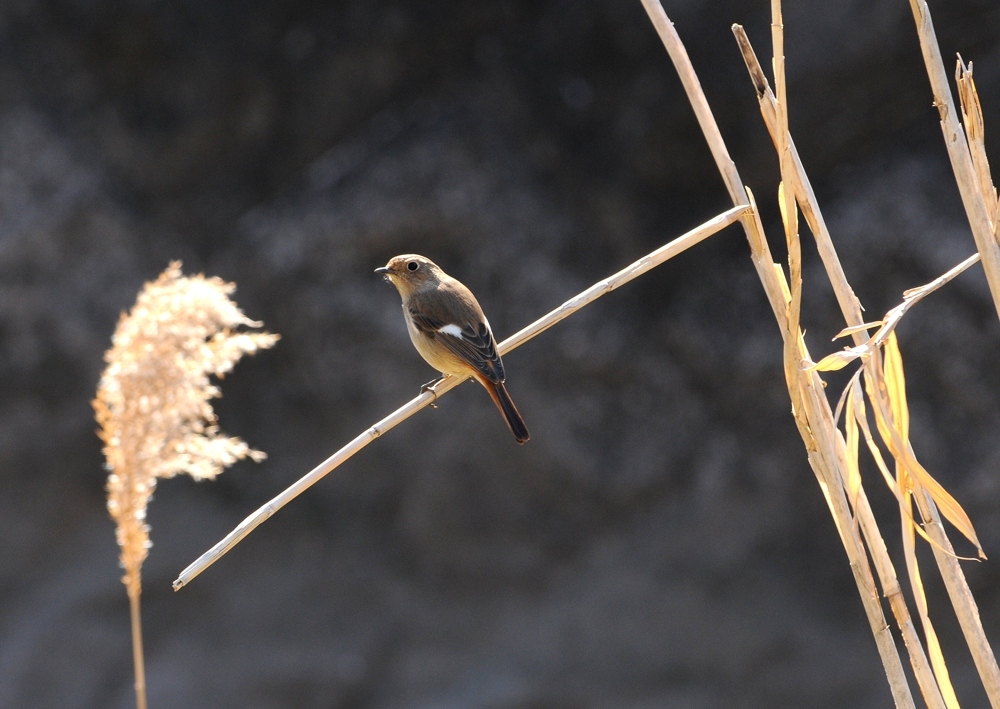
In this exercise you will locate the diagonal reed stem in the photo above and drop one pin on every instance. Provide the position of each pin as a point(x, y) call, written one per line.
point(977, 209)
point(961, 164)
point(643, 265)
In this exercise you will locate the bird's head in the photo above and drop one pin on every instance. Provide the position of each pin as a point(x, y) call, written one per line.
point(410, 272)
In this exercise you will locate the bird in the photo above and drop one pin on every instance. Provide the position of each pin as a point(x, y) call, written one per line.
point(448, 328)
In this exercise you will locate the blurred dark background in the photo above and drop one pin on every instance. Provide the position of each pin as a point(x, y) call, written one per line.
point(661, 541)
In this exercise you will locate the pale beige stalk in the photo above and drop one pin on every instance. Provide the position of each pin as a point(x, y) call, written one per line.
point(975, 131)
point(958, 588)
point(968, 159)
point(960, 156)
point(153, 408)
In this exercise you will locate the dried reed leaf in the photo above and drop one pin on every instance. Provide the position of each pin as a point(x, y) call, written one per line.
point(787, 294)
point(863, 327)
point(934, 653)
point(889, 386)
point(843, 398)
point(948, 505)
point(861, 416)
point(853, 482)
point(837, 360)
point(789, 213)
point(895, 384)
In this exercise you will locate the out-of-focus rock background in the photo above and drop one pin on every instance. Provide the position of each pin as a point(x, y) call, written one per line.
point(661, 541)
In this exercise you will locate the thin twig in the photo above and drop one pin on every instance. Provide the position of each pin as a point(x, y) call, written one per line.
point(646, 263)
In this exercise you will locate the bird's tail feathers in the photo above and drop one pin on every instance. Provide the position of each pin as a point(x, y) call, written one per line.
point(510, 413)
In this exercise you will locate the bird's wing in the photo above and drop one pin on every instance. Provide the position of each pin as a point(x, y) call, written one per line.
point(472, 342)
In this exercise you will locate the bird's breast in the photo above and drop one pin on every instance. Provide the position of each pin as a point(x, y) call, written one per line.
point(434, 353)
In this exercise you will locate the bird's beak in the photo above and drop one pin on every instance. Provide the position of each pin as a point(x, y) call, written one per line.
point(383, 270)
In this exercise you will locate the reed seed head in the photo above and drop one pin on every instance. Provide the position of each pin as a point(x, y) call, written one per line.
point(153, 398)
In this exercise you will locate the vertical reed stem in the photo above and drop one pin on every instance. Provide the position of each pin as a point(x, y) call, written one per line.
point(140, 665)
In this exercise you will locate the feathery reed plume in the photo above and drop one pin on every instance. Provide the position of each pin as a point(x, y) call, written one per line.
point(153, 407)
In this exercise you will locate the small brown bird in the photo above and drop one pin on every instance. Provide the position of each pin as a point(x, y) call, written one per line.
point(449, 330)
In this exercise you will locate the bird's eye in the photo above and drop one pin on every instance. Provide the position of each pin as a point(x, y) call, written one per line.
point(412, 266)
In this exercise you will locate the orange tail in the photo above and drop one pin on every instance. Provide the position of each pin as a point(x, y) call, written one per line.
point(510, 413)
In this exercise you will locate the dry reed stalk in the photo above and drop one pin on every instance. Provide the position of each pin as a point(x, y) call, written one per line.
point(849, 304)
point(907, 468)
point(975, 131)
point(807, 201)
point(812, 416)
point(955, 582)
point(968, 158)
point(727, 168)
point(967, 151)
point(852, 313)
point(153, 408)
point(636, 269)
point(959, 153)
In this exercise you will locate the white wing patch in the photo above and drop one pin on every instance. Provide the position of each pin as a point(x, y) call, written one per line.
point(453, 330)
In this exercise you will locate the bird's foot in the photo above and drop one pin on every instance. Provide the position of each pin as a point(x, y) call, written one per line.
point(429, 386)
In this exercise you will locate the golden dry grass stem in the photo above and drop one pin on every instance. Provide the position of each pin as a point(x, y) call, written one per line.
point(636, 269)
point(975, 131)
point(935, 692)
point(153, 408)
point(811, 409)
point(959, 153)
point(807, 201)
point(972, 115)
